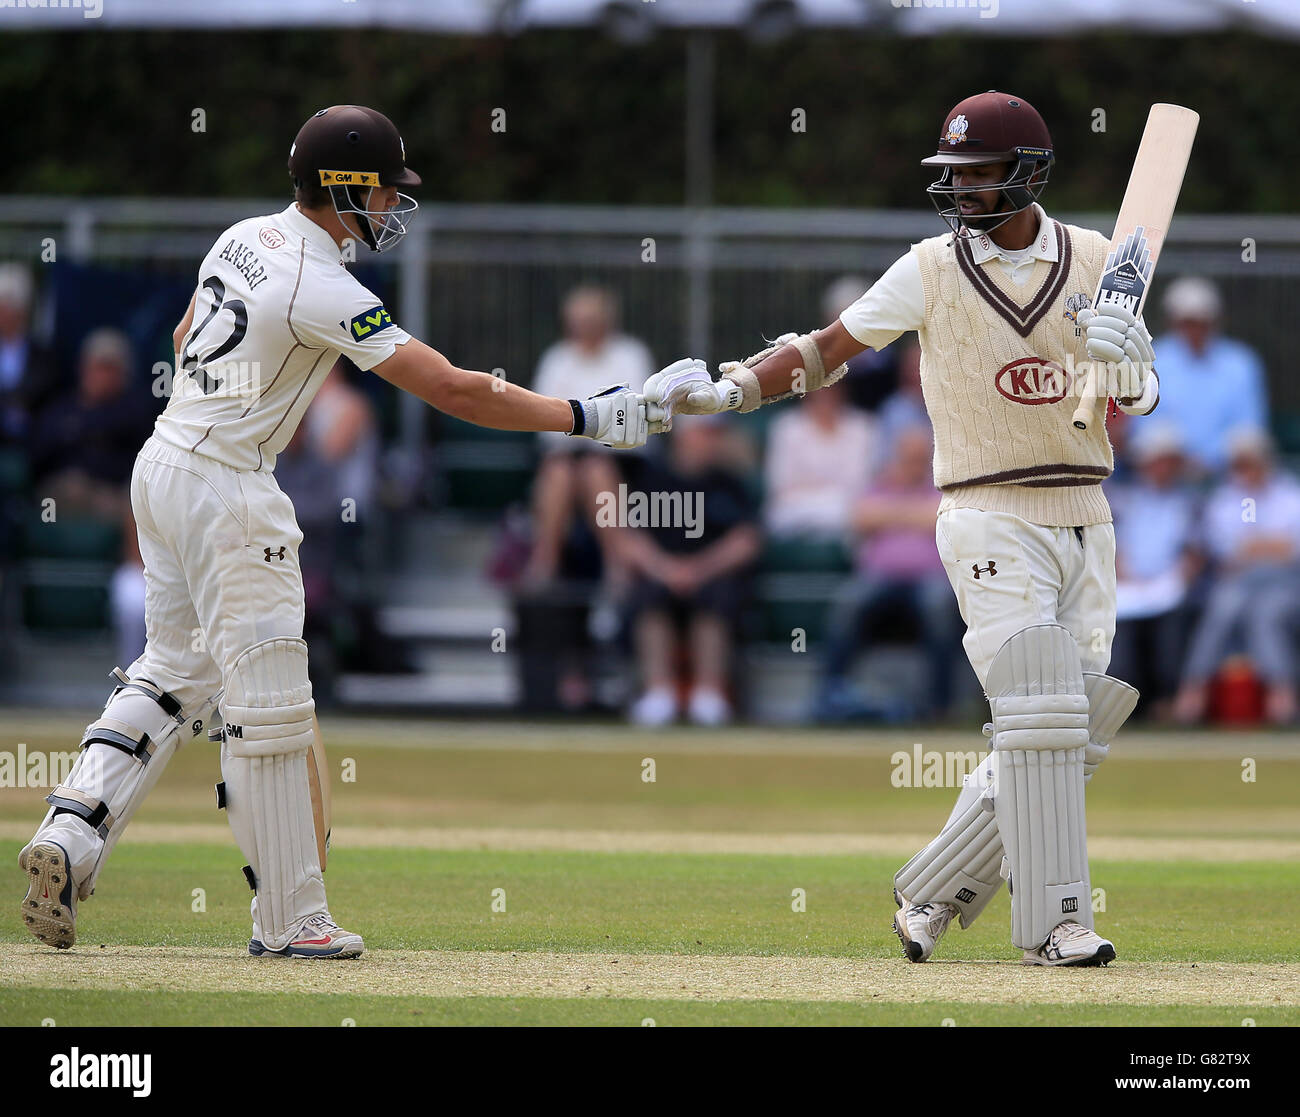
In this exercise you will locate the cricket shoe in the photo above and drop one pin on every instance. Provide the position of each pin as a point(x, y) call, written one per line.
point(919, 927)
point(656, 708)
point(1072, 944)
point(318, 937)
point(49, 908)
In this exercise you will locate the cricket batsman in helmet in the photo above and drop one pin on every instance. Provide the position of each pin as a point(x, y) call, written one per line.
point(1001, 306)
point(272, 310)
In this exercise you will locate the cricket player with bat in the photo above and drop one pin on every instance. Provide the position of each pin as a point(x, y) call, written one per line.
point(1002, 305)
point(272, 310)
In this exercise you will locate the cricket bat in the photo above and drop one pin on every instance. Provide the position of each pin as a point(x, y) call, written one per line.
point(1143, 221)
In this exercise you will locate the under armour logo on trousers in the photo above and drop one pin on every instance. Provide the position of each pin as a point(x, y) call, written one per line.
point(990, 570)
point(270, 554)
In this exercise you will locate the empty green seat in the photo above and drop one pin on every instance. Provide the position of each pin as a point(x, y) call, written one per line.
point(13, 470)
point(63, 607)
point(811, 556)
point(68, 565)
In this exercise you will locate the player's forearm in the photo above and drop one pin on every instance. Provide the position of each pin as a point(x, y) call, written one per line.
point(835, 344)
point(475, 397)
point(775, 375)
point(488, 401)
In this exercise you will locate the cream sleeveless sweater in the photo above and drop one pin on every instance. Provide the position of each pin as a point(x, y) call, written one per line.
point(994, 361)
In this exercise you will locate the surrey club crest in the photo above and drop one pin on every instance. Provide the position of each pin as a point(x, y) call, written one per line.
point(956, 133)
point(1080, 300)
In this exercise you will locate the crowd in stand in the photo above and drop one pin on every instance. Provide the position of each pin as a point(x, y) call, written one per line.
point(1207, 519)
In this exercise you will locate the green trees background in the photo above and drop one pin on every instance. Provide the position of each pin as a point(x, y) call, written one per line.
point(590, 120)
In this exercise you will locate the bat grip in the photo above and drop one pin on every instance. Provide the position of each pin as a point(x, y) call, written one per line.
point(1086, 413)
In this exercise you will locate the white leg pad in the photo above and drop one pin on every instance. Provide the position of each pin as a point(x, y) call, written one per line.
point(122, 756)
point(960, 866)
point(1040, 731)
point(269, 807)
point(268, 713)
point(1110, 702)
point(268, 705)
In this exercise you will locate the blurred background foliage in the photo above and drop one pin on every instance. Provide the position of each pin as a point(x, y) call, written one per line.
point(608, 125)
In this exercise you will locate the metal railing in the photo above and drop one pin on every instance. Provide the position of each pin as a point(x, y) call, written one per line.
point(483, 282)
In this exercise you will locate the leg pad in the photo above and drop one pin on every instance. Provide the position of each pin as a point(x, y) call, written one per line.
point(122, 756)
point(1040, 730)
point(960, 866)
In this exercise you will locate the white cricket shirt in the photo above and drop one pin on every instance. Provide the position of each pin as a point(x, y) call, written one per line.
point(275, 308)
point(895, 303)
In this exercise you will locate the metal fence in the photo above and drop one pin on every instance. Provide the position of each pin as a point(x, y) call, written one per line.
point(484, 283)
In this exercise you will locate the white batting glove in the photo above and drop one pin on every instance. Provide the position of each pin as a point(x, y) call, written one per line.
point(668, 387)
point(686, 388)
point(1121, 342)
point(614, 416)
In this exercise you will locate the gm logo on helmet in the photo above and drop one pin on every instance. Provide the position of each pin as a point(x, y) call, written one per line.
point(349, 178)
point(1033, 380)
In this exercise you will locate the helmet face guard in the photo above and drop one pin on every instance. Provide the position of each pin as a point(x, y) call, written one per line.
point(1019, 190)
point(381, 229)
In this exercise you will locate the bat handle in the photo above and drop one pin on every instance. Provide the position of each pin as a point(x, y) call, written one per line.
point(1086, 413)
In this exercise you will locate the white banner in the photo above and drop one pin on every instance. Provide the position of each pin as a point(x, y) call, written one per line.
point(636, 19)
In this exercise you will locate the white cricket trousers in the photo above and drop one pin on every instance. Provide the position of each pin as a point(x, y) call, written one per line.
point(1009, 574)
point(220, 550)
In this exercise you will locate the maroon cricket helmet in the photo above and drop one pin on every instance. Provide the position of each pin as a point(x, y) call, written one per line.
point(350, 139)
point(349, 150)
point(991, 127)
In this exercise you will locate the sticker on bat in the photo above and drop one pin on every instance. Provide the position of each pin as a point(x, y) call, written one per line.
point(1128, 271)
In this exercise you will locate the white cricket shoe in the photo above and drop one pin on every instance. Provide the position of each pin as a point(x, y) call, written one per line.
point(318, 937)
point(1072, 944)
point(656, 707)
point(708, 707)
point(919, 927)
point(50, 906)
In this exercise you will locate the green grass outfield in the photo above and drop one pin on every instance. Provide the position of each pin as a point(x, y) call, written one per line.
point(673, 901)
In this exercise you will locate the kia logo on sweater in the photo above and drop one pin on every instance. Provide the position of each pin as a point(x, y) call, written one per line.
point(1033, 380)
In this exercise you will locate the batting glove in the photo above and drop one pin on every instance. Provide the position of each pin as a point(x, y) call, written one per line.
point(686, 388)
point(1121, 342)
point(615, 416)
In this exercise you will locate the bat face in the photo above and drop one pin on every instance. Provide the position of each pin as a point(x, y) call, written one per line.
point(1144, 217)
point(1149, 201)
